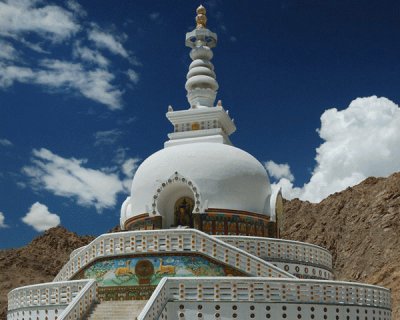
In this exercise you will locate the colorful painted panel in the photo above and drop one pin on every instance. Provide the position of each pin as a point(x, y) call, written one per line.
point(137, 271)
point(234, 222)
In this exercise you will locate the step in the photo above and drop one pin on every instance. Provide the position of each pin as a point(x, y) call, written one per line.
point(117, 310)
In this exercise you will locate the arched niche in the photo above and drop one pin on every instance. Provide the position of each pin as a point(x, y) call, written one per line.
point(168, 195)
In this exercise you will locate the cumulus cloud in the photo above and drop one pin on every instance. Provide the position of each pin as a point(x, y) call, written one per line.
point(358, 142)
point(2, 223)
point(279, 171)
point(40, 218)
point(70, 178)
point(50, 27)
point(5, 142)
point(107, 137)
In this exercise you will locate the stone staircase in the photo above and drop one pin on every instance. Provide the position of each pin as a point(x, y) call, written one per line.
point(117, 310)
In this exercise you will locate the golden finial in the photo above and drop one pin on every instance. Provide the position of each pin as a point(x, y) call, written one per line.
point(201, 18)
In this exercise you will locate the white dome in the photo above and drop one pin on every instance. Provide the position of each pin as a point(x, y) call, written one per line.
point(222, 176)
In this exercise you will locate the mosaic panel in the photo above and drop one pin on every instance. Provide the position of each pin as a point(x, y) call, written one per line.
point(149, 270)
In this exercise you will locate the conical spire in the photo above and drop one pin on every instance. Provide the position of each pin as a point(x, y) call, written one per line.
point(201, 84)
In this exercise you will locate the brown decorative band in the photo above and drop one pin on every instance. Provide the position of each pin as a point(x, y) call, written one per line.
point(215, 221)
point(234, 222)
point(143, 222)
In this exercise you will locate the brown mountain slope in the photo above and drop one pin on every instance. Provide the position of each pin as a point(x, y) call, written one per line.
point(37, 262)
point(361, 228)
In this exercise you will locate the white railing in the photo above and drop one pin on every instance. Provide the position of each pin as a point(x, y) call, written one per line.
point(73, 253)
point(82, 303)
point(157, 302)
point(280, 250)
point(46, 299)
point(171, 240)
point(269, 291)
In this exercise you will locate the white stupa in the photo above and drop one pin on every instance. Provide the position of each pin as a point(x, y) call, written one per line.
point(202, 237)
point(198, 159)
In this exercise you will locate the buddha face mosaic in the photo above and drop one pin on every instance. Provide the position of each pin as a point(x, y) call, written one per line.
point(150, 270)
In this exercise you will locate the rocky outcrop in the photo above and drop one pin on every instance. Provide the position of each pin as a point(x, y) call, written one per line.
point(360, 226)
point(37, 262)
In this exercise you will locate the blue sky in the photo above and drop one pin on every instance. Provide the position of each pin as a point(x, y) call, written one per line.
point(85, 85)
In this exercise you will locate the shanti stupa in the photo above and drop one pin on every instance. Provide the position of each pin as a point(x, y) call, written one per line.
point(201, 237)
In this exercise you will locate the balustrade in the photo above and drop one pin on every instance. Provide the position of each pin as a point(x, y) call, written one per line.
point(171, 240)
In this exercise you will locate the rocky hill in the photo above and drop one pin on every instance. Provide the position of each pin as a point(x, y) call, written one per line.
point(360, 226)
point(37, 262)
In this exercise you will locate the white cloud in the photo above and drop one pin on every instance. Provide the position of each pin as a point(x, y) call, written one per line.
point(129, 168)
point(133, 76)
point(51, 27)
point(69, 178)
point(360, 141)
point(107, 137)
point(40, 218)
point(2, 223)
point(279, 171)
point(18, 17)
point(107, 41)
point(7, 51)
point(93, 84)
point(76, 7)
point(89, 55)
point(5, 143)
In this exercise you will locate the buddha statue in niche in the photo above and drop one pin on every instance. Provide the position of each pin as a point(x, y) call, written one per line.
point(183, 212)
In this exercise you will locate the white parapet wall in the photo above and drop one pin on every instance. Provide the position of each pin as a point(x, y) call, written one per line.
point(170, 240)
point(266, 298)
point(299, 258)
point(53, 300)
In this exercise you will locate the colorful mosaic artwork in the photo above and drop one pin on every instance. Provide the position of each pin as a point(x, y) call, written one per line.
point(137, 271)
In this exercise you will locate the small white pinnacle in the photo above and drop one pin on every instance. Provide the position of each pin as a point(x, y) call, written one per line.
point(170, 108)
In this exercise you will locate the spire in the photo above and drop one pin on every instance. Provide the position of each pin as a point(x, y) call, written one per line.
point(201, 18)
point(201, 84)
point(203, 121)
